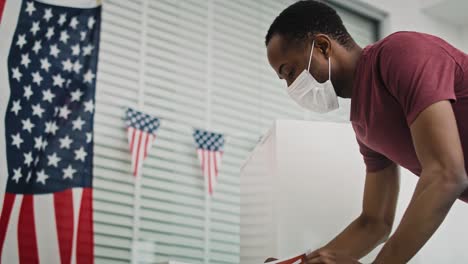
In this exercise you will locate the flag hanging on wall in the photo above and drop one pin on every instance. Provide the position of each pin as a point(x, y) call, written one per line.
point(48, 64)
point(141, 132)
point(210, 151)
point(2, 5)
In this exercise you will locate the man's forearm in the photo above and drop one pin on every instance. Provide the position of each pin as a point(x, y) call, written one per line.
point(359, 238)
point(428, 208)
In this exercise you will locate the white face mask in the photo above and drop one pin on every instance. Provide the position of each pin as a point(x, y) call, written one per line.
point(312, 95)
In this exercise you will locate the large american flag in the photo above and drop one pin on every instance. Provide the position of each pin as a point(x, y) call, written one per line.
point(48, 64)
point(141, 132)
point(210, 151)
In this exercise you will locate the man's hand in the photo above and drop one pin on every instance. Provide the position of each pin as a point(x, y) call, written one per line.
point(323, 256)
point(443, 179)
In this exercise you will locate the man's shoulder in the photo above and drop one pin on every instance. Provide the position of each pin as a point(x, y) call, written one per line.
point(404, 40)
point(403, 35)
point(410, 41)
point(408, 44)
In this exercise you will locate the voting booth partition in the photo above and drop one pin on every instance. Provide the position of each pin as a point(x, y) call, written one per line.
point(303, 184)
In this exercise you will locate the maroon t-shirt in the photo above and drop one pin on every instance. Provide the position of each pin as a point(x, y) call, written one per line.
point(396, 79)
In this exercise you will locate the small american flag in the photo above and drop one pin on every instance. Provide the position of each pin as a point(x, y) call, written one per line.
point(210, 151)
point(50, 65)
point(141, 131)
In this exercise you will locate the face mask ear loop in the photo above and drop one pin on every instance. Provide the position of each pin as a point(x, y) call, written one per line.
point(329, 68)
point(310, 58)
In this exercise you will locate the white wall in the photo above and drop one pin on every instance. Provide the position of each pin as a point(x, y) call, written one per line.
point(409, 15)
point(464, 35)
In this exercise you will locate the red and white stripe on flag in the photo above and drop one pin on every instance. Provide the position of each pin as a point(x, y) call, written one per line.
point(210, 162)
point(2, 5)
point(48, 228)
point(140, 143)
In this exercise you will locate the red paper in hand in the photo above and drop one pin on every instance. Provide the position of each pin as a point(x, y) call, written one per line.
point(292, 260)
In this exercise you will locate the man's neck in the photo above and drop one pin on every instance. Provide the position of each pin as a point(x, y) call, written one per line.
point(349, 71)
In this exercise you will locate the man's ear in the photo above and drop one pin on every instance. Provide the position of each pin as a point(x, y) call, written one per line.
point(323, 43)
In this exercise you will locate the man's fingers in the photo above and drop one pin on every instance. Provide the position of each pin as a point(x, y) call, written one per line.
point(323, 257)
point(320, 260)
point(314, 254)
point(318, 252)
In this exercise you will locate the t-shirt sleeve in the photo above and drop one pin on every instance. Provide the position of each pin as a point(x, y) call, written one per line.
point(374, 161)
point(417, 71)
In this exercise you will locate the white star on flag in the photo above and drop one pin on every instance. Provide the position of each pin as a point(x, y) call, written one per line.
point(17, 175)
point(53, 160)
point(27, 92)
point(64, 112)
point(48, 14)
point(89, 137)
point(89, 106)
point(17, 74)
point(37, 78)
point(16, 107)
point(25, 60)
point(35, 27)
point(45, 65)
point(17, 140)
point(51, 127)
point(76, 50)
point(78, 124)
point(37, 46)
point(37, 110)
point(42, 177)
point(21, 41)
point(30, 8)
point(91, 22)
point(62, 19)
point(65, 142)
point(82, 35)
point(54, 51)
point(68, 172)
point(88, 77)
point(27, 125)
point(47, 95)
point(87, 50)
point(67, 65)
point(77, 67)
point(50, 32)
point(76, 95)
point(64, 36)
point(38, 143)
point(28, 159)
point(80, 154)
point(58, 80)
point(74, 22)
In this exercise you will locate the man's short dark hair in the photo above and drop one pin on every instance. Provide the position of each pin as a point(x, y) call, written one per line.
point(309, 16)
